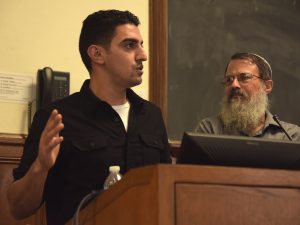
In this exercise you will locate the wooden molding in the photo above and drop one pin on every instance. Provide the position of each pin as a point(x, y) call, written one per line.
point(158, 22)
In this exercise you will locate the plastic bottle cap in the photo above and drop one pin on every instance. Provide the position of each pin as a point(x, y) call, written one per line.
point(115, 169)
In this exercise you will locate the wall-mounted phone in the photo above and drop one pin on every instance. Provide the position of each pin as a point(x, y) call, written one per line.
point(51, 85)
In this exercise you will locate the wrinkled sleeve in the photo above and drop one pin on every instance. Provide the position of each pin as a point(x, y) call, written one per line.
point(30, 149)
point(165, 154)
point(210, 125)
point(295, 132)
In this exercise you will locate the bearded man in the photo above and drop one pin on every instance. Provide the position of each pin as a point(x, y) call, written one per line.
point(245, 107)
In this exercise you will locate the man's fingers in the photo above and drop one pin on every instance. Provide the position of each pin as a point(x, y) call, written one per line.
point(54, 142)
point(53, 132)
point(54, 119)
point(53, 127)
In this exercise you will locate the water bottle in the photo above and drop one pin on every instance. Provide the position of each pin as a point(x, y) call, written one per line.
point(113, 177)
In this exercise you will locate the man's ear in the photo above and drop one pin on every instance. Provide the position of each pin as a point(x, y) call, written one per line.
point(96, 53)
point(268, 86)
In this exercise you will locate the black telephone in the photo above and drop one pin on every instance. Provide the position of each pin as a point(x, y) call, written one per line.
point(51, 85)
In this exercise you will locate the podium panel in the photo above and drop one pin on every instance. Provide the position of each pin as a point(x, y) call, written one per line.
point(217, 204)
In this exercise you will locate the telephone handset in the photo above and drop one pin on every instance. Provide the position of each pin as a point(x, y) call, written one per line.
point(51, 85)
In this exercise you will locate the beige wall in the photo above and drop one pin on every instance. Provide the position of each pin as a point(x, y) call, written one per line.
point(39, 33)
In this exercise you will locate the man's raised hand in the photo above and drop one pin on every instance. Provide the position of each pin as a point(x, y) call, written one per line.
point(50, 141)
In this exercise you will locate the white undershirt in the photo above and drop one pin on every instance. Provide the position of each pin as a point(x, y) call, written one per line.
point(123, 111)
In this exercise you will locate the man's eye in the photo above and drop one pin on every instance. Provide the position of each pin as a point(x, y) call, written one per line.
point(245, 76)
point(228, 79)
point(130, 45)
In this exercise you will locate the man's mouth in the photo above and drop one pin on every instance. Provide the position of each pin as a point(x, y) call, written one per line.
point(140, 69)
point(237, 94)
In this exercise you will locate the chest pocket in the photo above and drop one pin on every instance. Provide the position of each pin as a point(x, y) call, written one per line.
point(90, 144)
point(91, 154)
point(152, 147)
point(152, 141)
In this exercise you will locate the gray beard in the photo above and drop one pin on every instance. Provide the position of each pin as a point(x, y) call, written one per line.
point(244, 115)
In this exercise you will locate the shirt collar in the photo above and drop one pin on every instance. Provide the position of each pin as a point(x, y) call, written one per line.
point(269, 120)
point(91, 101)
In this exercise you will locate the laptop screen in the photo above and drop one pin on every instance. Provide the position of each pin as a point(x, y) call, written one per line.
point(225, 150)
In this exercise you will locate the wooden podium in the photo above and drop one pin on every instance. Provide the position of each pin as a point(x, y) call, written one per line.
point(198, 195)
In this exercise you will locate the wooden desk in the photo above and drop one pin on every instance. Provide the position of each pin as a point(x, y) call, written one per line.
point(11, 148)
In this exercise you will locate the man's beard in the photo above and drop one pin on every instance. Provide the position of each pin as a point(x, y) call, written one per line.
point(244, 113)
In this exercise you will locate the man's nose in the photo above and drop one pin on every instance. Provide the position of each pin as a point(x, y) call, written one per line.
point(235, 83)
point(142, 55)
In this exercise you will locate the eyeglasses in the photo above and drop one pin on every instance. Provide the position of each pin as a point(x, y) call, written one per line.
point(242, 78)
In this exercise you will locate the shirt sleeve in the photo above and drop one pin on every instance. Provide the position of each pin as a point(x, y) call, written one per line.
point(294, 131)
point(31, 145)
point(210, 125)
point(165, 154)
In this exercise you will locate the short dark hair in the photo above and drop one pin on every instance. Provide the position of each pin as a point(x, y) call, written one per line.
point(264, 67)
point(99, 28)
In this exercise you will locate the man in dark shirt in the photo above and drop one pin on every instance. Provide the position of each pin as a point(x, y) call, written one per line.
point(248, 81)
point(73, 141)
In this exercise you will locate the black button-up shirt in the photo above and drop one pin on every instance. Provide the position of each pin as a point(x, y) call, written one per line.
point(94, 139)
